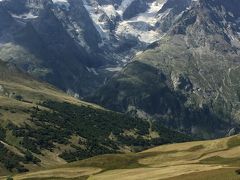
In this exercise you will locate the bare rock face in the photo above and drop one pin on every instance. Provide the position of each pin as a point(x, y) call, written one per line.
point(2, 89)
point(181, 82)
point(231, 132)
point(135, 8)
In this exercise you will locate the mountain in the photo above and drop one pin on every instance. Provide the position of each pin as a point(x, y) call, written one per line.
point(163, 72)
point(129, 26)
point(35, 37)
point(188, 79)
point(208, 160)
point(185, 67)
point(41, 126)
point(78, 45)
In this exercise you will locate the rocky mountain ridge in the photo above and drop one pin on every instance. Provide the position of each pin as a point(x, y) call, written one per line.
point(188, 79)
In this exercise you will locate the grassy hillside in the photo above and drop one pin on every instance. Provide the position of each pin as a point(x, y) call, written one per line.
point(42, 127)
point(199, 160)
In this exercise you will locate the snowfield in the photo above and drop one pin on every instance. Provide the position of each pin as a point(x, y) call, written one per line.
point(140, 26)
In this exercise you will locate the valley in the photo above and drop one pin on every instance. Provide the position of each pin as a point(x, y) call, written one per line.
point(119, 89)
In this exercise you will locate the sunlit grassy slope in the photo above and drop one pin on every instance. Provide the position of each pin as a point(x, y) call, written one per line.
point(201, 160)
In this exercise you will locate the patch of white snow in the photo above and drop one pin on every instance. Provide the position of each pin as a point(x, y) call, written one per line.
point(59, 1)
point(142, 25)
point(109, 10)
point(114, 69)
point(25, 16)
